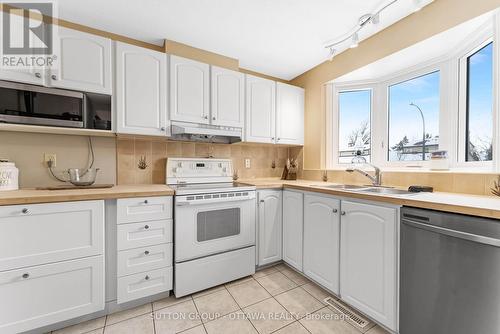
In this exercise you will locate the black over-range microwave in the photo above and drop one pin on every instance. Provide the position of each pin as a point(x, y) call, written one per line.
point(36, 105)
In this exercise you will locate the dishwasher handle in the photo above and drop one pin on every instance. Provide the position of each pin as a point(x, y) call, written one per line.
point(453, 233)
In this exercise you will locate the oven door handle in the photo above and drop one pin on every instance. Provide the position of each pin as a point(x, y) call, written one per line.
point(182, 204)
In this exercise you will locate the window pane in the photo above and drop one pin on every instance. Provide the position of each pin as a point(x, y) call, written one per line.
point(479, 131)
point(354, 124)
point(406, 127)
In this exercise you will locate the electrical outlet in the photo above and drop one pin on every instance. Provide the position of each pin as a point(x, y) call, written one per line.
point(49, 157)
point(247, 163)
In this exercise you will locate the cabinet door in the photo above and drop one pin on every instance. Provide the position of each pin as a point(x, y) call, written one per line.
point(189, 90)
point(260, 110)
point(293, 225)
point(321, 240)
point(228, 94)
point(368, 260)
point(34, 297)
point(270, 226)
point(16, 73)
point(289, 114)
point(83, 62)
point(141, 90)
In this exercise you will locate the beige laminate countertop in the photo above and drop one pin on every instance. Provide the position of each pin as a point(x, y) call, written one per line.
point(483, 206)
point(32, 196)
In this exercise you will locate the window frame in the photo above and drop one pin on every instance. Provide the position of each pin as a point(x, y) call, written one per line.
point(452, 107)
point(484, 38)
point(334, 118)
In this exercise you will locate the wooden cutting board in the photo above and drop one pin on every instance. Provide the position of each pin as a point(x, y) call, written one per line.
point(70, 187)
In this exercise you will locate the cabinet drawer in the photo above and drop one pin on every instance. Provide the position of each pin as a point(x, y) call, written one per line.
point(143, 234)
point(138, 260)
point(50, 293)
point(144, 284)
point(43, 233)
point(130, 210)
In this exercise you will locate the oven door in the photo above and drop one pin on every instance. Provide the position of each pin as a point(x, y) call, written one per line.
point(206, 228)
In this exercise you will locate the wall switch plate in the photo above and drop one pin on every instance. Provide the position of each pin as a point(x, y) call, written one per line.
point(49, 157)
point(247, 163)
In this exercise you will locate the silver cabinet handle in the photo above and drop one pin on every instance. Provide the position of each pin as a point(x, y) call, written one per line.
point(146, 227)
point(262, 201)
point(53, 76)
point(343, 213)
point(335, 210)
point(25, 211)
point(146, 253)
point(146, 278)
point(38, 75)
point(26, 275)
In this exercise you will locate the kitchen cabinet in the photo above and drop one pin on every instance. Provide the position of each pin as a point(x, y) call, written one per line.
point(83, 62)
point(228, 97)
point(368, 260)
point(293, 225)
point(289, 114)
point(269, 226)
point(322, 240)
point(189, 90)
point(260, 117)
point(141, 90)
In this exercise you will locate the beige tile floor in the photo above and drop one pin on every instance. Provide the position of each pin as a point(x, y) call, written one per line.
point(274, 300)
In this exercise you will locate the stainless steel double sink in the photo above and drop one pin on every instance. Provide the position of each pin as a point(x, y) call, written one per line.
point(369, 189)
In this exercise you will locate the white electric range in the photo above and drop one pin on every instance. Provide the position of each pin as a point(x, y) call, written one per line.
point(214, 224)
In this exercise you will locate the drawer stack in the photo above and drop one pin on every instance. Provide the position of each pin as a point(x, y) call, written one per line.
point(51, 263)
point(144, 244)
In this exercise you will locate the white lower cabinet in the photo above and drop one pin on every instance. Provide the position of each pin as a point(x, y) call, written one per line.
point(293, 226)
point(368, 260)
point(37, 296)
point(269, 226)
point(321, 240)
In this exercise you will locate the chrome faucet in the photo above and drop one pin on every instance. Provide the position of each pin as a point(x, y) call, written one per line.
point(376, 179)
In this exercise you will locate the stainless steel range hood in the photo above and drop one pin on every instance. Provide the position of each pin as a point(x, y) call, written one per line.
point(204, 133)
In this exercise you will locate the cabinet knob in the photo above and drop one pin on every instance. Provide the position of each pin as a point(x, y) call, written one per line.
point(214, 118)
point(38, 75)
point(343, 213)
point(262, 201)
point(146, 278)
point(146, 253)
point(146, 227)
point(162, 128)
point(54, 77)
point(25, 211)
point(146, 201)
point(205, 117)
point(272, 138)
point(335, 210)
point(26, 275)
point(278, 139)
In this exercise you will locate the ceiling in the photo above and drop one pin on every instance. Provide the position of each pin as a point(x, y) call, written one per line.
point(281, 38)
point(429, 50)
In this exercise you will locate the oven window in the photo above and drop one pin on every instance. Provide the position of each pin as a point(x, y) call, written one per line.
point(218, 224)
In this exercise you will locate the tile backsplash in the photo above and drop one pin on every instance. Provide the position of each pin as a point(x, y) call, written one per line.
point(142, 160)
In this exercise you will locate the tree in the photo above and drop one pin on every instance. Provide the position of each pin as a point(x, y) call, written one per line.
point(361, 133)
point(398, 148)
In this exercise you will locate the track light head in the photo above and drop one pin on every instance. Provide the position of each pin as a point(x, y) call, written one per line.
point(375, 19)
point(332, 53)
point(354, 41)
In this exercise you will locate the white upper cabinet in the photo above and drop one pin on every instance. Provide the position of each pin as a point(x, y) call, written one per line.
point(368, 260)
point(321, 240)
point(269, 226)
point(289, 114)
point(83, 62)
point(260, 110)
point(141, 90)
point(293, 225)
point(189, 90)
point(228, 97)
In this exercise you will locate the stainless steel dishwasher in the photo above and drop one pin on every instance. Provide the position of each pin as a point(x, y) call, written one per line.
point(450, 273)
